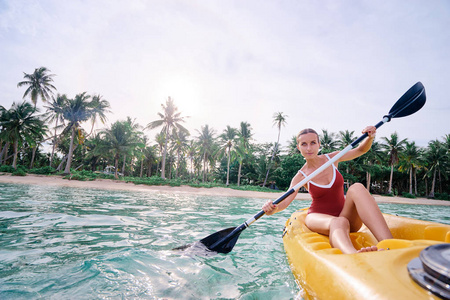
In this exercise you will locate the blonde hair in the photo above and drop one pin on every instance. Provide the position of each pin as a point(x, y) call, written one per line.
point(306, 131)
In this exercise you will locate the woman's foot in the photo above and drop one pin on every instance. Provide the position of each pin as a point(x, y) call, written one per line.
point(369, 249)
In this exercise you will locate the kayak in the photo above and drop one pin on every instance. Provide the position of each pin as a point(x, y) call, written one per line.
point(412, 267)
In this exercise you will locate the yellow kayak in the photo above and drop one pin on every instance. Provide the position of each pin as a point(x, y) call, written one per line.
point(323, 272)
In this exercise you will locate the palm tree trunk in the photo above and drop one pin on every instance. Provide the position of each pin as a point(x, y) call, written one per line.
point(163, 164)
point(63, 160)
point(54, 145)
point(4, 152)
point(204, 166)
point(116, 165)
point(149, 172)
point(239, 174)
point(415, 182)
point(33, 156)
point(228, 168)
point(368, 179)
point(142, 167)
point(348, 182)
point(433, 184)
point(123, 164)
point(16, 151)
point(410, 180)
point(192, 170)
point(271, 159)
point(69, 157)
point(390, 180)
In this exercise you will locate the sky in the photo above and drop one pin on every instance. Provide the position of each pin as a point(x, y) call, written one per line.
point(329, 64)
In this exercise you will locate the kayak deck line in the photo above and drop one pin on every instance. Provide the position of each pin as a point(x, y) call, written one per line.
point(323, 272)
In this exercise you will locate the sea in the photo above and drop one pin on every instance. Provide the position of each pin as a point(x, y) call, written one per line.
point(73, 243)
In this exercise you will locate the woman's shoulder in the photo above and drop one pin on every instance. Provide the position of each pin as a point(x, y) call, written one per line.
point(330, 155)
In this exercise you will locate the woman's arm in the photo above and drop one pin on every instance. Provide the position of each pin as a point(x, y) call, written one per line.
point(362, 148)
point(269, 208)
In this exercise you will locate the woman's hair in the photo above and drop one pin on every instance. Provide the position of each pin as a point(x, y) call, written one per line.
point(305, 131)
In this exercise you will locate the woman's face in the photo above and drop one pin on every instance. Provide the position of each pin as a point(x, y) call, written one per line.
point(308, 145)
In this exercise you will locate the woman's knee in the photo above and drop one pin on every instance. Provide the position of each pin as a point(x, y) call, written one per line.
point(340, 222)
point(356, 188)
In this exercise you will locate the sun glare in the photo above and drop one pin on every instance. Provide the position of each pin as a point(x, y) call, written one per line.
point(186, 94)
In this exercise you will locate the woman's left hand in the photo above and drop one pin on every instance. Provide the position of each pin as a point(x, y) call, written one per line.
point(371, 131)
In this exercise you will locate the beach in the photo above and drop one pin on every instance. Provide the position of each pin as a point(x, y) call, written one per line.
point(108, 184)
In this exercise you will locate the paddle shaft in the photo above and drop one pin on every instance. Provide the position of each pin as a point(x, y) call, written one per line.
point(250, 221)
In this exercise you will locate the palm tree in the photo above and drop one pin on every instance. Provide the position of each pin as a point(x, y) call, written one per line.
point(119, 140)
point(4, 135)
point(244, 147)
point(134, 134)
point(191, 151)
point(394, 146)
point(75, 112)
point(437, 158)
point(206, 143)
point(279, 120)
point(151, 158)
point(95, 150)
point(39, 84)
point(160, 139)
point(20, 125)
point(228, 138)
point(346, 138)
point(179, 145)
point(372, 157)
point(292, 146)
point(169, 119)
point(99, 108)
point(410, 161)
point(327, 141)
point(55, 114)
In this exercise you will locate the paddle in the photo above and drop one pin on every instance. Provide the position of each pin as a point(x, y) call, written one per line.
point(223, 241)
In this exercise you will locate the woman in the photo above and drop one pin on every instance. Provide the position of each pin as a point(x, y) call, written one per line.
point(331, 213)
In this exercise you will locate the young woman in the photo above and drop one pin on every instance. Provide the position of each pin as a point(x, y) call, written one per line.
point(331, 213)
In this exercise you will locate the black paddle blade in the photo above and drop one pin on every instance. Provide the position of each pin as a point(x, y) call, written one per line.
point(220, 241)
point(413, 100)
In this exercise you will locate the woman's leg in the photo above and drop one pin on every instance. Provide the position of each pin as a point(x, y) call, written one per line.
point(361, 206)
point(337, 228)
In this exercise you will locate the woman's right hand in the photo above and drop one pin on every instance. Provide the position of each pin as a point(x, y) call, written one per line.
point(269, 208)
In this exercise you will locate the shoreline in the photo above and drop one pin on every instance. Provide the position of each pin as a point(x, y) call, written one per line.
point(108, 184)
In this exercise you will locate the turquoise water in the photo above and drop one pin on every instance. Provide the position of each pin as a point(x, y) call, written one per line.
point(67, 243)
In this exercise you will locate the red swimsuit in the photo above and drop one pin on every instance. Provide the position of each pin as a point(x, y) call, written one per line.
point(327, 199)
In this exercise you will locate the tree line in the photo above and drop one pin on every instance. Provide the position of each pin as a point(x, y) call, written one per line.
point(392, 166)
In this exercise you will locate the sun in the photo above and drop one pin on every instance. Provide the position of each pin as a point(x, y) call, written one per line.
point(186, 93)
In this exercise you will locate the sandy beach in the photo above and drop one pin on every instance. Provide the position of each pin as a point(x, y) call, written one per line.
point(216, 191)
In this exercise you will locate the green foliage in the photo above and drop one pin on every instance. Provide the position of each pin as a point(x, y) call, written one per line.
point(7, 169)
point(19, 172)
point(43, 171)
point(81, 175)
point(154, 180)
point(408, 195)
point(289, 166)
point(254, 188)
point(442, 196)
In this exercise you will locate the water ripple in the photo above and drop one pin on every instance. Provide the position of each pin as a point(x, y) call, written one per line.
point(65, 243)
